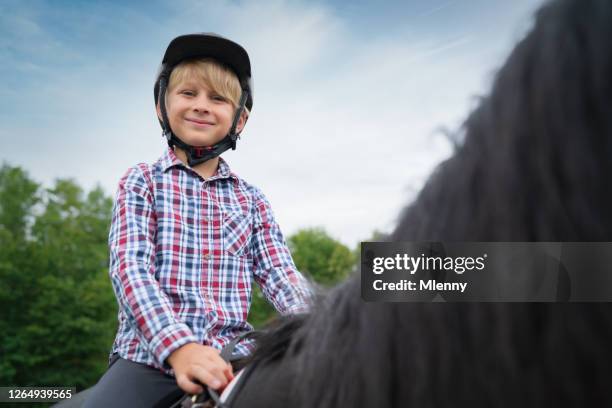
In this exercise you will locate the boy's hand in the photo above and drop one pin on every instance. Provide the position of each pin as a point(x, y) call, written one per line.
point(195, 364)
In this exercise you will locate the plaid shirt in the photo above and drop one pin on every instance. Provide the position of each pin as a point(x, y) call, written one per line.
point(183, 253)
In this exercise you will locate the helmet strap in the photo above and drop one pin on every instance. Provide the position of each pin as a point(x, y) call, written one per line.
point(199, 154)
point(232, 133)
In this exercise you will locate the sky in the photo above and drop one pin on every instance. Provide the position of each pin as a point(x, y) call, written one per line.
point(353, 101)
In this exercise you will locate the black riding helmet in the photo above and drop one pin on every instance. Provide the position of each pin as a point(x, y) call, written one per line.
point(228, 53)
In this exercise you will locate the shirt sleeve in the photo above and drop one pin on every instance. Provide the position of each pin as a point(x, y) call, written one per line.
point(280, 281)
point(132, 269)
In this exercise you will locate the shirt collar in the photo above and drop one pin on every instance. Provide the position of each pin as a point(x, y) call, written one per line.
point(169, 160)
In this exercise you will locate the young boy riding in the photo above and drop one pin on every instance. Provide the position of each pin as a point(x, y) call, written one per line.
point(188, 236)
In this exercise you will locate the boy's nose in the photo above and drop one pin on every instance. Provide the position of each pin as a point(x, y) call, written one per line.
point(202, 104)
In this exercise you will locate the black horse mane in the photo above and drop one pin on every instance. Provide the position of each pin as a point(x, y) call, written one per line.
point(532, 166)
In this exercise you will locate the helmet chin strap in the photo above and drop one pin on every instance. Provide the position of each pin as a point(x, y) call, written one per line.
point(199, 154)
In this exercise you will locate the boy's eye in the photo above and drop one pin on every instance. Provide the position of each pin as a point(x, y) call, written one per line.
point(219, 98)
point(188, 92)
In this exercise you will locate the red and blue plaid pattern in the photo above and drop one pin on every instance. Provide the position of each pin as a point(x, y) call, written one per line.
point(183, 254)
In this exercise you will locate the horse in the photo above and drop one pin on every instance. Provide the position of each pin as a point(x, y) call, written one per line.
point(532, 165)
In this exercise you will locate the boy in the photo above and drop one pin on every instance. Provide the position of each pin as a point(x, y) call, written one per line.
point(188, 235)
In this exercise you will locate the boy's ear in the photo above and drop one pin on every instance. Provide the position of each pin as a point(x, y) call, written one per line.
point(244, 116)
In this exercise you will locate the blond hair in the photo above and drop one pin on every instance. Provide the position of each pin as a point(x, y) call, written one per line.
point(215, 76)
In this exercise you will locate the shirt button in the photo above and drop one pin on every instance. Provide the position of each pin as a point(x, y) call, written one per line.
point(205, 220)
point(206, 255)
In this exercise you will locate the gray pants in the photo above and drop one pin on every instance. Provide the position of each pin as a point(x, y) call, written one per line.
point(134, 385)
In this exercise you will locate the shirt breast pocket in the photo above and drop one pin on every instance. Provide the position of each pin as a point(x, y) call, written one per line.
point(237, 228)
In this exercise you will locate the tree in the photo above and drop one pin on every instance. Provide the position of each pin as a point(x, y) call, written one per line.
point(58, 308)
point(320, 256)
point(18, 194)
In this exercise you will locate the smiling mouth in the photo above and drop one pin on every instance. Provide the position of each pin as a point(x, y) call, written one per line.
point(202, 123)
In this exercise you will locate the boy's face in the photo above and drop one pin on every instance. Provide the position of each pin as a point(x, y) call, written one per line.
point(198, 115)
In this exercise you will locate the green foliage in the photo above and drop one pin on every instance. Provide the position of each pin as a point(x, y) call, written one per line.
point(320, 256)
point(17, 197)
point(58, 308)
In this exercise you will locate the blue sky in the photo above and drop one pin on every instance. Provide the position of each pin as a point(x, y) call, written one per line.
point(350, 97)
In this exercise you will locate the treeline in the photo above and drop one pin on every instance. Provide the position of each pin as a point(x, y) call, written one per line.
point(58, 313)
